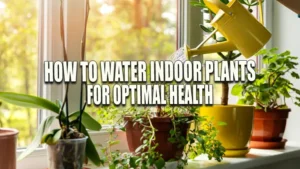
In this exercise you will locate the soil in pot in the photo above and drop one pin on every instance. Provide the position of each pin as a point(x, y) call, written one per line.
point(269, 128)
point(8, 145)
point(163, 125)
point(67, 154)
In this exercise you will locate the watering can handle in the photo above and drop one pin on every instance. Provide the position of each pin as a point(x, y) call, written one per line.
point(220, 5)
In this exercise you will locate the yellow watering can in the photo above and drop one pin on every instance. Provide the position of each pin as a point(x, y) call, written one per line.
point(241, 29)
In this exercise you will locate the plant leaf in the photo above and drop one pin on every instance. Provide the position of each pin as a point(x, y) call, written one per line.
point(132, 162)
point(221, 123)
point(88, 121)
point(295, 75)
point(52, 137)
point(160, 163)
point(90, 149)
point(28, 101)
point(37, 139)
point(236, 89)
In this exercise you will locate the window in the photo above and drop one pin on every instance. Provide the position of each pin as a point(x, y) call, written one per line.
point(115, 32)
point(18, 64)
point(130, 30)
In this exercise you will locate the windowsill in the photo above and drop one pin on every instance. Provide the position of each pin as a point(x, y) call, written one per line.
point(256, 158)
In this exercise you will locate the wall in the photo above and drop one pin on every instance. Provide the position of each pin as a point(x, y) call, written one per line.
point(286, 36)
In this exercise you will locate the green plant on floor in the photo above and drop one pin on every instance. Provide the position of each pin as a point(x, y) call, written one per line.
point(206, 27)
point(271, 83)
point(199, 140)
point(73, 125)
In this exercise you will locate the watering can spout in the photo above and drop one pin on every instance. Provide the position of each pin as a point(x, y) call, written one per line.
point(213, 48)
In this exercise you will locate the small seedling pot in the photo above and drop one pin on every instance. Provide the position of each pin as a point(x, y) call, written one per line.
point(269, 129)
point(67, 154)
point(235, 135)
point(8, 145)
point(163, 125)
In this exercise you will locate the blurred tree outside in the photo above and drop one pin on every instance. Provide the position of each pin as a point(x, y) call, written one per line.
point(129, 30)
point(117, 30)
point(18, 63)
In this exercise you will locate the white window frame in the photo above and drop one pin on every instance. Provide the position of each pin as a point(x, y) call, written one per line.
point(50, 48)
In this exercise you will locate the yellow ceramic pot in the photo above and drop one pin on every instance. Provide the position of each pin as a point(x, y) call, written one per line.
point(236, 135)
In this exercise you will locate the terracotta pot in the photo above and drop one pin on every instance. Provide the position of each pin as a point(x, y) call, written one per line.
point(235, 135)
point(8, 145)
point(269, 126)
point(163, 126)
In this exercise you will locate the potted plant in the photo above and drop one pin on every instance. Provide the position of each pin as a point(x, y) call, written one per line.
point(270, 86)
point(70, 143)
point(156, 136)
point(8, 146)
point(234, 136)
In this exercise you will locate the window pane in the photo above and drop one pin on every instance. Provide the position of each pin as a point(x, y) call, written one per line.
point(130, 30)
point(18, 63)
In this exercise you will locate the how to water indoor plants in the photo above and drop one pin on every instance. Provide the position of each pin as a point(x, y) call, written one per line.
point(269, 92)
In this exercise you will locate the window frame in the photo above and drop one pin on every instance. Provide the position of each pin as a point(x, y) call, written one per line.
point(50, 48)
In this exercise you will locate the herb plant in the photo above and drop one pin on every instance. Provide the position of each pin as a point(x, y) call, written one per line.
point(199, 140)
point(271, 83)
point(206, 27)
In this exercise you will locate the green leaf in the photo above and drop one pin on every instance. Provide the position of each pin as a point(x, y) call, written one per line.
point(132, 162)
point(137, 150)
point(46, 137)
point(90, 149)
point(28, 101)
point(295, 75)
point(52, 137)
point(206, 29)
point(38, 137)
point(115, 142)
point(272, 66)
point(56, 136)
point(221, 39)
point(199, 139)
point(225, 1)
point(236, 89)
point(160, 163)
point(112, 166)
point(87, 121)
point(221, 123)
point(241, 101)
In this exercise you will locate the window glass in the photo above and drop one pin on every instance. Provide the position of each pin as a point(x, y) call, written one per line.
point(18, 64)
point(130, 30)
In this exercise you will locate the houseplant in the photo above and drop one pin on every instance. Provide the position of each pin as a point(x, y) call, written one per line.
point(271, 84)
point(156, 136)
point(69, 144)
point(8, 146)
point(235, 136)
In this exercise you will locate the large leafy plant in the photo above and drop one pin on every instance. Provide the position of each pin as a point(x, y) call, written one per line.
point(271, 83)
point(72, 124)
point(207, 28)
